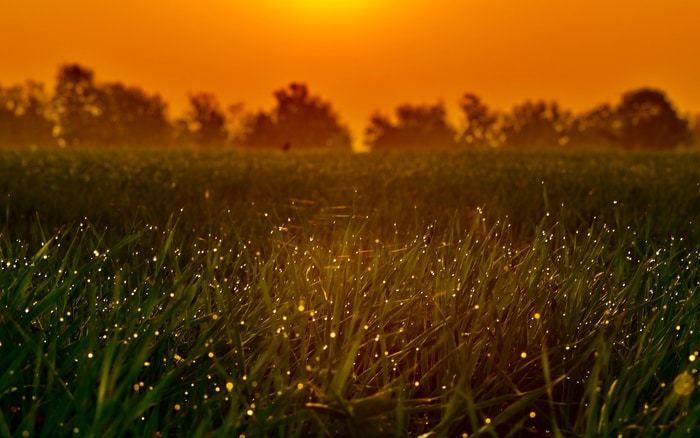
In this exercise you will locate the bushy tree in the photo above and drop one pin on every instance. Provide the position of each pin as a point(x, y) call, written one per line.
point(596, 128)
point(24, 117)
point(537, 124)
point(298, 120)
point(695, 126)
point(647, 120)
point(129, 116)
point(92, 114)
point(76, 106)
point(415, 127)
point(205, 122)
point(480, 123)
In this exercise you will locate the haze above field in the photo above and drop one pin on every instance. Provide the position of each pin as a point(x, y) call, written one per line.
point(365, 55)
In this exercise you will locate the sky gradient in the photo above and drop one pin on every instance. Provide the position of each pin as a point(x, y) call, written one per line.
point(364, 55)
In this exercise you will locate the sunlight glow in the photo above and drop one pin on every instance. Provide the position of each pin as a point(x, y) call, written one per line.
point(334, 10)
point(336, 6)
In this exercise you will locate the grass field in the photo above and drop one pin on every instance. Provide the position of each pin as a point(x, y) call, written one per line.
point(176, 293)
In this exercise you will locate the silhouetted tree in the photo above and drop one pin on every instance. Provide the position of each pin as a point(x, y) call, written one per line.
point(480, 127)
point(84, 112)
point(696, 130)
point(596, 128)
point(76, 106)
point(24, 116)
point(416, 127)
point(536, 125)
point(87, 113)
point(260, 131)
point(235, 118)
point(647, 120)
point(298, 120)
point(205, 122)
point(128, 116)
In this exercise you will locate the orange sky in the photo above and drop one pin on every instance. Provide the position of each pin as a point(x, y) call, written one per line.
point(365, 54)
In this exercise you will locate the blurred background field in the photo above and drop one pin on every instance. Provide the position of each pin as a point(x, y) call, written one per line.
point(658, 191)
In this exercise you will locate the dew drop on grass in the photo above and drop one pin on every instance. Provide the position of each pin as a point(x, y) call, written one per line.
point(684, 384)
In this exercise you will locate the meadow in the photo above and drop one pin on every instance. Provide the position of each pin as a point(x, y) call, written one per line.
point(223, 293)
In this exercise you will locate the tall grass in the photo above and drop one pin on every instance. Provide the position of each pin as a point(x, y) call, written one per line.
point(349, 315)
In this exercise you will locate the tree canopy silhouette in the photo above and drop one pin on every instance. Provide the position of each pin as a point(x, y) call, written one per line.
point(204, 123)
point(75, 106)
point(537, 124)
point(130, 116)
point(88, 113)
point(24, 118)
point(81, 111)
point(480, 123)
point(298, 120)
point(647, 119)
point(415, 127)
point(695, 125)
point(595, 128)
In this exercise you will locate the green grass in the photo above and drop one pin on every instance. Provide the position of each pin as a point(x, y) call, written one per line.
point(383, 295)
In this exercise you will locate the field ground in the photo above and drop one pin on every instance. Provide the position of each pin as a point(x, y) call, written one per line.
point(161, 293)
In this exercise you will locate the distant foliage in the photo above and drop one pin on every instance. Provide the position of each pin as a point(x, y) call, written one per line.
point(130, 116)
point(536, 125)
point(75, 107)
point(481, 124)
point(82, 112)
point(648, 120)
point(24, 119)
point(595, 128)
point(414, 127)
point(695, 125)
point(298, 120)
point(644, 119)
point(90, 114)
point(204, 123)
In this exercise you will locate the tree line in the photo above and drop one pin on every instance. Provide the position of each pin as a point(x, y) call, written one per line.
point(80, 111)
